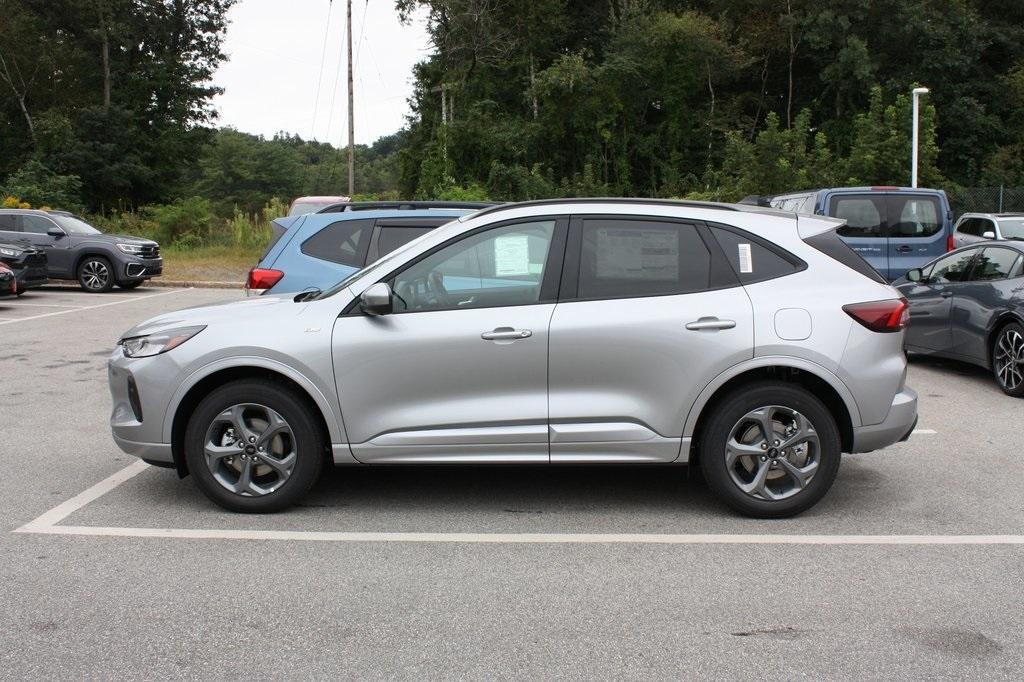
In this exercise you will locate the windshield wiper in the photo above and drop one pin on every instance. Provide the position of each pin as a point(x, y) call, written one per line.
point(307, 295)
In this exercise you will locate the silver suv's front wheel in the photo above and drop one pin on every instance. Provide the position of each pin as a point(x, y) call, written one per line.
point(770, 450)
point(254, 446)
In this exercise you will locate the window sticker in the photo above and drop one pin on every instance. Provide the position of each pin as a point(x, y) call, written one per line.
point(637, 254)
point(512, 255)
point(746, 260)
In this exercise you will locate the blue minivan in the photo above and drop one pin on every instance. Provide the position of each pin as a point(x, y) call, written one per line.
point(895, 229)
point(317, 250)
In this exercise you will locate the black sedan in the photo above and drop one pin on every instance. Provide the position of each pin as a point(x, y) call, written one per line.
point(27, 262)
point(969, 305)
point(8, 285)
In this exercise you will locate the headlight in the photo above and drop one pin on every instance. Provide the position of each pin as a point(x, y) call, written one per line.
point(159, 342)
point(134, 249)
point(9, 252)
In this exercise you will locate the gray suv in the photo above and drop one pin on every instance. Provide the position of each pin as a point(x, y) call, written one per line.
point(751, 341)
point(76, 250)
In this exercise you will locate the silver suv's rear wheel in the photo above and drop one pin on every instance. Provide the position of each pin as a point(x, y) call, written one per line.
point(254, 446)
point(770, 450)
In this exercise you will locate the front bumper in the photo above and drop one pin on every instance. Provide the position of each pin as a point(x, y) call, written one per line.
point(896, 427)
point(138, 392)
point(143, 268)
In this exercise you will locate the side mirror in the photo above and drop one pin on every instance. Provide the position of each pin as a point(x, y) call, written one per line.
point(376, 300)
point(55, 232)
point(989, 235)
point(915, 275)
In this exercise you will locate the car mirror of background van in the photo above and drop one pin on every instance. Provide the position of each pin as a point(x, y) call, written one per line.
point(55, 232)
point(915, 275)
point(376, 300)
point(989, 235)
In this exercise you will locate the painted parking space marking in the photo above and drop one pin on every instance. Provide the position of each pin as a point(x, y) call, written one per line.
point(98, 305)
point(924, 432)
point(48, 523)
point(22, 304)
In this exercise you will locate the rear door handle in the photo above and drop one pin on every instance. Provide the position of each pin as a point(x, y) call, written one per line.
point(903, 248)
point(710, 324)
point(506, 334)
point(946, 294)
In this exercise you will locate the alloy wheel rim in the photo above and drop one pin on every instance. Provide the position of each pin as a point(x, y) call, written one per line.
point(95, 274)
point(772, 453)
point(1009, 359)
point(250, 450)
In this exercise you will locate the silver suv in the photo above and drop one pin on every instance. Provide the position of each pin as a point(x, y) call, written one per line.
point(749, 340)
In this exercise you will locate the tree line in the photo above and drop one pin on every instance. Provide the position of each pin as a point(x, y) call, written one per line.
point(105, 105)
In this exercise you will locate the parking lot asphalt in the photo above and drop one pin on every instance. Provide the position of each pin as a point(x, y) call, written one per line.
point(292, 604)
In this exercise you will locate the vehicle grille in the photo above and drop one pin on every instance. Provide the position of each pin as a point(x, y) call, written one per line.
point(150, 252)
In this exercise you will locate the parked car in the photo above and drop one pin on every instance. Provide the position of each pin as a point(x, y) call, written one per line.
point(969, 305)
point(595, 332)
point(892, 228)
point(972, 228)
point(317, 250)
point(8, 283)
point(304, 205)
point(27, 262)
point(76, 250)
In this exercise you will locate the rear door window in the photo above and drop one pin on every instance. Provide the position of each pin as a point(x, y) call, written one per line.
point(626, 258)
point(864, 214)
point(969, 227)
point(392, 237)
point(344, 242)
point(913, 216)
point(9, 223)
point(35, 224)
point(994, 264)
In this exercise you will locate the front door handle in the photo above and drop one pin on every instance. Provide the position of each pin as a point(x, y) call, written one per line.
point(710, 324)
point(946, 294)
point(506, 334)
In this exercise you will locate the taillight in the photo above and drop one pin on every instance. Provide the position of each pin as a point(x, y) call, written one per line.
point(881, 316)
point(262, 278)
point(950, 245)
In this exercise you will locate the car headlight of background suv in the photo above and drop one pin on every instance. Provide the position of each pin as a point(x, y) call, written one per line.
point(133, 249)
point(158, 342)
point(9, 252)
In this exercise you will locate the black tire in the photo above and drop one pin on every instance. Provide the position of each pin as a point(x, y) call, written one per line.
point(730, 411)
point(96, 275)
point(1010, 336)
point(308, 444)
point(131, 284)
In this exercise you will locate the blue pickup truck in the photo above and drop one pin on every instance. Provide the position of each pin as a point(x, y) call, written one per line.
point(894, 229)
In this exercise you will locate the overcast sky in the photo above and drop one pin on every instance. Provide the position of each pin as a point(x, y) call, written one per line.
point(274, 50)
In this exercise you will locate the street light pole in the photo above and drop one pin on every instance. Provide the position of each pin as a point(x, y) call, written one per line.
point(916, 92)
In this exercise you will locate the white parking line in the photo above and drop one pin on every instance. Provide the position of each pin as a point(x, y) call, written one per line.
point(47, 524)
point(38, 305)
point(93, 307)
point(924, 432)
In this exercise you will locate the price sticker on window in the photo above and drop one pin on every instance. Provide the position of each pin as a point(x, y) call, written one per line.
point(746, 260)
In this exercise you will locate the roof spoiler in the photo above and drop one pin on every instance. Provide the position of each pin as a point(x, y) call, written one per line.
point(345, 206)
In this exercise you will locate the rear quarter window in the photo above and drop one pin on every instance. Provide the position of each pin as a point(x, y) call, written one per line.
point(753, 259)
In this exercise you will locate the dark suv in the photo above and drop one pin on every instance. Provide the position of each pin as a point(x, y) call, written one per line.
point(76, 250)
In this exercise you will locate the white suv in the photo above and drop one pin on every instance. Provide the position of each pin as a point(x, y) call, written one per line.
point(576, 331)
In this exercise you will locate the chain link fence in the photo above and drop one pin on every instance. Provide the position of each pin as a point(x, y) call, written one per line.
point(986, 200)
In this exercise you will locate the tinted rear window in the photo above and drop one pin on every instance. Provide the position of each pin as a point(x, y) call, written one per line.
point(864, 214)
point(913, 216)
point(831, 245)
point(342, 242)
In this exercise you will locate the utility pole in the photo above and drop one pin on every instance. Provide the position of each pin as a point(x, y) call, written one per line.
point(351, 114)
point(916, 93)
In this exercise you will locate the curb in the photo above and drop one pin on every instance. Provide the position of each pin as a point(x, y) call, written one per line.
point(167, 283)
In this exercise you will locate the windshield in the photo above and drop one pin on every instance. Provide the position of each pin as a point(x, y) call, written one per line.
point(74, 225)
point(1012, 229)
point(303, 207)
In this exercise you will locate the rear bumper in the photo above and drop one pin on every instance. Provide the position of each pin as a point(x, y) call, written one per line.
point(896, 427)
point(31, 277)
